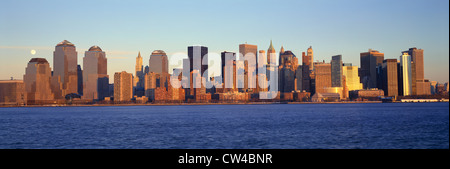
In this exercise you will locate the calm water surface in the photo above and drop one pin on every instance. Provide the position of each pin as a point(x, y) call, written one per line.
point(348, 126)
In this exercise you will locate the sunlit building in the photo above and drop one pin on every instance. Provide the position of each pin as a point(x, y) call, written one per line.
point(307, 68)
point(419, 86)
point(250, 65)
point(352, 77)
point(12, 92)
point(37, 81)
point(389, 77)
point(322, 76)
point(405, 79)
point(95, 75)
point(123, 86)
point(369, 62)
point(158, 62)
point(336, 71)
point(65, 61)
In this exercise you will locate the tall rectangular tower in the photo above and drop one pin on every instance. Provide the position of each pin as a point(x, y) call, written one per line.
point(336, 71)
point(406, 75)
point(369, 62)
point(123, 86)
point(389, 77)
point(65, 70)
point(199, 54)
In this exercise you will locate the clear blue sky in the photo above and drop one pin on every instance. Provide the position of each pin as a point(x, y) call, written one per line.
point(123, 28)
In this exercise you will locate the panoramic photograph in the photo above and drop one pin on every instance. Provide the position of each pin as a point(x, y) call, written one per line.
point(199, 74)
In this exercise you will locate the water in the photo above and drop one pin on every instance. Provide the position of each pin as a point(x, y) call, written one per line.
point(279, 126)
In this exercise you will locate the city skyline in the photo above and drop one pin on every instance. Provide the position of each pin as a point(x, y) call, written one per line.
point(332, 28)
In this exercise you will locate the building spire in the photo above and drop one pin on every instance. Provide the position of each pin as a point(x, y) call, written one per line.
point(139, 55)
point(271, 49)
point(282, 49)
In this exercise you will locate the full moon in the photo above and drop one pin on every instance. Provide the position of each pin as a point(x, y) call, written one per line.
point(33, 52)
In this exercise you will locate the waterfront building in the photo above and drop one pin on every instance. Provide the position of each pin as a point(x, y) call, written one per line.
point(198, 55)
point(138, 81)
point(369, 62)
point(389, 77)
point(123, 86)
point(80, 80)
point(158, 62)
point(249, 52)
point(271, 54)
point(37, 81)
point(325, 97)
point(322, 73)
point(336, 71)
point(405, 79)
point(338, 90)
point(299, 78)
point(228, 68)
point(418, 85)
point(12, 92)
point(287, 68)
point(65, 61)
point(352, 78)
point(433, 87)
point(307, 69)
point(366, 95)
point(95, 75)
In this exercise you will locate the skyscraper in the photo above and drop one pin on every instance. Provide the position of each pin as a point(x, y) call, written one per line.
point(271, 54)
point(80, 79)
point(158, 62)
point(419, 87)
point(389, 77)
point(12, 92)
point(123, 86)
point(352, 78)
point(228, 70)
point(250, 66)
point(37, 81)
point(336, 71)
point(65, 63)
point(307, 68)
point(405, 88)
point(322, 73)
point(95, 75)
point(138, 81)
point(369, 62)
point(271, 61)
point(287, 68)
point(298, 78)
point(197, 55)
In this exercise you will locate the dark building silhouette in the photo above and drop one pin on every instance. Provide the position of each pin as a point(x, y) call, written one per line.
point(336, 71)
point(369, 62)
point(202, 53)
point(80, 80)
point(389, 78)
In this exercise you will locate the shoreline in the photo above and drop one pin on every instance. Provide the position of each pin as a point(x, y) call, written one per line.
point(188, 104)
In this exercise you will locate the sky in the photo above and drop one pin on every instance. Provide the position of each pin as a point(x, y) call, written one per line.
point(124, 28)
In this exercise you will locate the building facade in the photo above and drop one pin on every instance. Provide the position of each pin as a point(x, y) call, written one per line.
point(389, 77)
point(405, 79)
point(352, 78)
point(322, 73)
point(37, 81)
point(12, 92)
point(336, 71)
point(65, 61)
point(95, 76)
point(369, 62)
point(158, 62)
point(123, 86)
